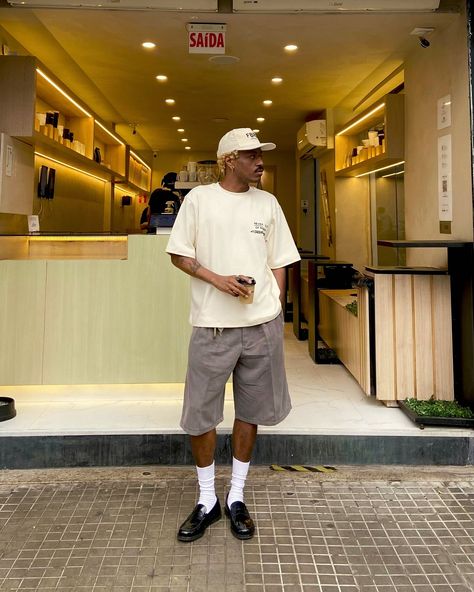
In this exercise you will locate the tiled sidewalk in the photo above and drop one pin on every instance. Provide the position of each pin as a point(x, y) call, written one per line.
point(355, 530)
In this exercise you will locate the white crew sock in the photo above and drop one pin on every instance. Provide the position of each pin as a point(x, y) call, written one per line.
point(239, 475)
point(207, 492)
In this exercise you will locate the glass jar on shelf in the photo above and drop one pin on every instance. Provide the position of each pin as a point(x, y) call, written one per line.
point(207, 172)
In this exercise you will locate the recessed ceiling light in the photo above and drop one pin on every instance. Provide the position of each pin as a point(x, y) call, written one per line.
point(187, 147)
point(224, 60)
point(181, 130)
point(255, 131)
point(148, 44)
point(260, 118)
point(290, 47)
point(267, 102)
point(184, 139)
point(277, 80)
point(170, 101)
point(176, 118)
point(162, 78)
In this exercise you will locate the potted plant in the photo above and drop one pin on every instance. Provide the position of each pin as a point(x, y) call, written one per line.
point(437, 413)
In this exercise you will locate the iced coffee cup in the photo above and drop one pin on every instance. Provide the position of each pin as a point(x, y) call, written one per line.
point(249, 284)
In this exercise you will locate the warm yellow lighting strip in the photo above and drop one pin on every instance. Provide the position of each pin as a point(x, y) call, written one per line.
point(140, 160)
point(366, 116)
point(109, 132)
point(390, 166)
point(126, 191)
point(71, 167)
point(58, 88)
point(393, 174)
point(75, 238)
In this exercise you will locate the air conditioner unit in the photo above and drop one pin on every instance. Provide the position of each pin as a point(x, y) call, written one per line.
point(314, 138)
point(165, 5)
point(289, 6)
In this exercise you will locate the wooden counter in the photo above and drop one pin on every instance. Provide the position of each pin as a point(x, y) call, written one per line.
point(413, 338)
point(94, 321)
point(461, 271)
point(63, 247)
point(345, 332)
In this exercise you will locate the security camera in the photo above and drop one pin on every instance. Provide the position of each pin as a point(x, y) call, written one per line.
point(155, 154)
point(422, 33)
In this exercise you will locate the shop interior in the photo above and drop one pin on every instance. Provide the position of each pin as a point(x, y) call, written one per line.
point(355, 102)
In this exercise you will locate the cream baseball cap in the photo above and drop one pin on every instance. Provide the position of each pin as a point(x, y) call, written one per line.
point(242, 138)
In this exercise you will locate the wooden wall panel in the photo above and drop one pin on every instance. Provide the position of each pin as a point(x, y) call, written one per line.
point(385, 338)
point(415, 317)
point(422, 290)
point(404, 337)
point(364, 336)
point(442, 339)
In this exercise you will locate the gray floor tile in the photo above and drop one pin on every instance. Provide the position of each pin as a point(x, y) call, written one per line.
point(313, 535)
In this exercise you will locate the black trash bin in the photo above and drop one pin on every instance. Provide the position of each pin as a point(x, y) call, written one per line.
point(7, 408)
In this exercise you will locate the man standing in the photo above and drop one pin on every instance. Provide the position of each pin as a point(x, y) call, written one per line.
point(232, 238)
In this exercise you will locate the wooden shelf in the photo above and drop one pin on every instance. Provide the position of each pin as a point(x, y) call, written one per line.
point(51, 149)
point(186, 184)
point(132, 186)
point(50, 95)
point(390, 118)
point(138, 174)
point(112, 149)
point(28, 93)
point(368, 165)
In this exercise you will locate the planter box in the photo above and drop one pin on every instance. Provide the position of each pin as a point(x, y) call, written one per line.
point(422, 420)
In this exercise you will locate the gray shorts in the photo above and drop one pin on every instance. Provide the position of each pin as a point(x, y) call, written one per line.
point(254, 356)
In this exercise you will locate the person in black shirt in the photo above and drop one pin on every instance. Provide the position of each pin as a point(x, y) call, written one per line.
point(157, 202)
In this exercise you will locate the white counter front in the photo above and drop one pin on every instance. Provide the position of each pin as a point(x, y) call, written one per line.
point(97, 321)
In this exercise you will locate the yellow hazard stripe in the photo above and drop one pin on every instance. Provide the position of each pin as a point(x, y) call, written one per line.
point(276, 468)
point(303, 468)
point(299, 468)
point(324, 469)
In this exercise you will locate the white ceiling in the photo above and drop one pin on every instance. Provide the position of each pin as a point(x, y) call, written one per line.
point(98, 55)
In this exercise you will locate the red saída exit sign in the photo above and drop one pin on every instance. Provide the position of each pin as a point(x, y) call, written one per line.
point(206, 38)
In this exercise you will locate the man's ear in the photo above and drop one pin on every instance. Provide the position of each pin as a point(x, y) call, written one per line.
point(228, 160)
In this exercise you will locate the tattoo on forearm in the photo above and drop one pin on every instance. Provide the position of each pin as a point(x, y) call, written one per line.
point(187, 264)
point(194, 266)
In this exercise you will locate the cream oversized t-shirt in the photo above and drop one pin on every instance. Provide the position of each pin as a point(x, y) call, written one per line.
point(233, 234)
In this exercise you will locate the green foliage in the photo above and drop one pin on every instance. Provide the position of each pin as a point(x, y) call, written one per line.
point(352, 307)
point(434, 408)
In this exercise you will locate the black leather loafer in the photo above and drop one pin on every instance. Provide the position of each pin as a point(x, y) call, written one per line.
point(196, 523)
point(241, 525)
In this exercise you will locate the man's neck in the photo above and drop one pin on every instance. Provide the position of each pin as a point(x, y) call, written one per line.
point(230, 183)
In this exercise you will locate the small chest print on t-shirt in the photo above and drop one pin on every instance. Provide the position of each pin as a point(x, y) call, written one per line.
point(260, 228)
